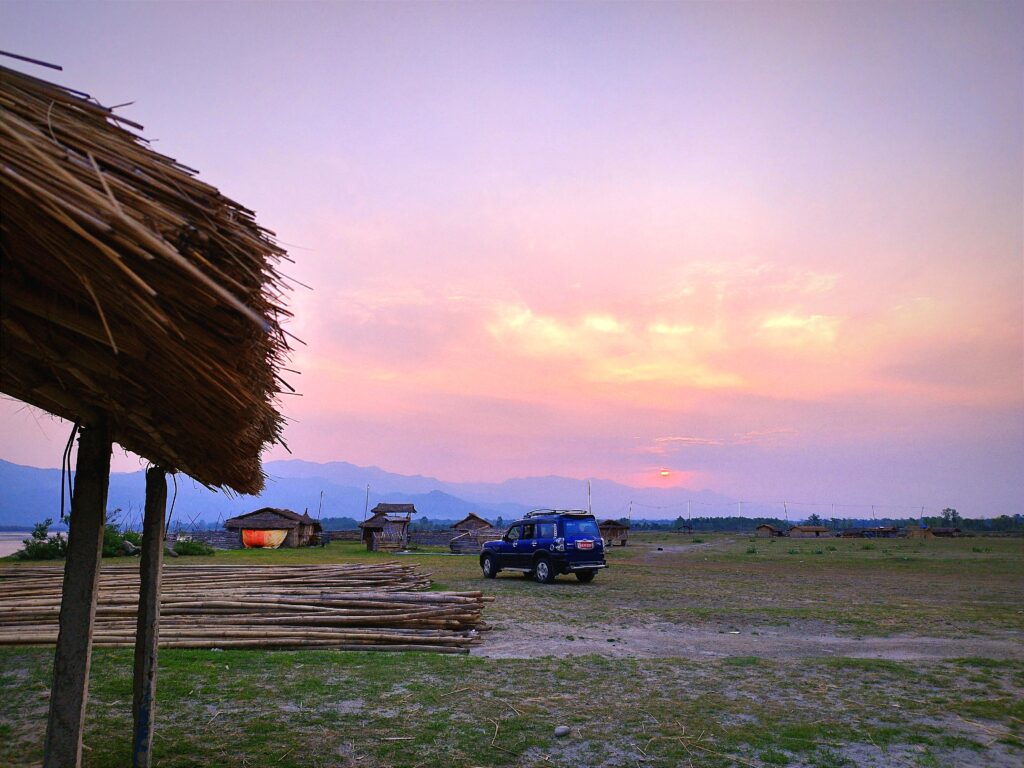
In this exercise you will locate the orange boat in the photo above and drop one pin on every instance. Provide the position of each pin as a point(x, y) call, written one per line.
point(262, 539)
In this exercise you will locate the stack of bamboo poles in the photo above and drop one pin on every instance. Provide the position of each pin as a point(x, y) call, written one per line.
point(348, 607)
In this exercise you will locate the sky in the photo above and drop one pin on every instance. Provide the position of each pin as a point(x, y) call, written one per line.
point(774, 249)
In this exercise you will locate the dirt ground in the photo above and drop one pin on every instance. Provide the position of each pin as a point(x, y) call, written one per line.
point(666, 640)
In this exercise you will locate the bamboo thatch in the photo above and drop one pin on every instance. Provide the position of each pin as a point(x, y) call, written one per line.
point(351, 607)
point(132, 289)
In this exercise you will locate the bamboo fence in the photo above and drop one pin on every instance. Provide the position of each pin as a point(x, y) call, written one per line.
point(369, 607)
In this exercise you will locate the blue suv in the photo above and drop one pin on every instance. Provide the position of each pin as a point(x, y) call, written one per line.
point(545, 543)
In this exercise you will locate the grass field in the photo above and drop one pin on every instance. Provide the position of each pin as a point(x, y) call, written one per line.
point(712, 652)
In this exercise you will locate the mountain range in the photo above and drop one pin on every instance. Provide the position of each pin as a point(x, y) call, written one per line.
point(30, 494)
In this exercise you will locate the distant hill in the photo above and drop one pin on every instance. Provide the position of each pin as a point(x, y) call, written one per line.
point(30, 494)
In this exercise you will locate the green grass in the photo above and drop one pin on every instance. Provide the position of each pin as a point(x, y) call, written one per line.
point(315, 708)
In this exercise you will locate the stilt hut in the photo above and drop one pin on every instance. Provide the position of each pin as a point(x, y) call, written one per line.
point(388, 527)
point(614, 532)
point(145, 308)
point(270, 528)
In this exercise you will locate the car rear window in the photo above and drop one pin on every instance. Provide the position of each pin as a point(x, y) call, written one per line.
point(575, 529)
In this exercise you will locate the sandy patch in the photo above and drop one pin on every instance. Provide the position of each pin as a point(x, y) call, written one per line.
point(663, 640)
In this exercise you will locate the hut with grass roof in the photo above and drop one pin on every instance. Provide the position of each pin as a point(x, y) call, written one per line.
point(270, 528)
point(145, 308)
point(614, 532)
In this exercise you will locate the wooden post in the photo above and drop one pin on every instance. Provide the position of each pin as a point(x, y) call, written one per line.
point(147, 632)
point(66, 719)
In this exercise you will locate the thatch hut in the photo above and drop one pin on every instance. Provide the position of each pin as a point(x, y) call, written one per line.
point(874, 532)
point(614, 532)
point(270, 528)
point(767, 531)
point(471, 522)
point(808, 531)
point(145, 307)
point(387, 529)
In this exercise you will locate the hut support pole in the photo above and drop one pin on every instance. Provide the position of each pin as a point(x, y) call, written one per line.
point(66, 719)
point(147, 633)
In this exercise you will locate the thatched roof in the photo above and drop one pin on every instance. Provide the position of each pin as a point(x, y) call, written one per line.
point(472, 520)
point(132, 289)
point(270, 518)
point(394, 509)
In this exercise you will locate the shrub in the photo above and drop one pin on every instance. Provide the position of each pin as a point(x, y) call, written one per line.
point(41, 546)
point(193, 548)
point(831, 548)
point(134, 537)
point(867, 546)
point(697, 540)
point(794, 551)
point(113, 541)
point(751, 550)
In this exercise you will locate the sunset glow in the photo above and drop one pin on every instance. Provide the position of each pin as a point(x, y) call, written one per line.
point(776, 249)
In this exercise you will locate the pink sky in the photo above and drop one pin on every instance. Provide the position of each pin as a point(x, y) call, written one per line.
point(774, 248)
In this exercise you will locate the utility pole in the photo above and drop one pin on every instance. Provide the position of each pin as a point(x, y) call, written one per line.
point(366, 504)
point(320, 508)
point(590, 506)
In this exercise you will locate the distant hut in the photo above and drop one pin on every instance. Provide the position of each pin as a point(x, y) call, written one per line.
point(808, 531)
point(270, 528)
point(388, 527)
point(471, 522)
point(766, 531)
point(876, 532)
point(919, 532)
point(947, 533)
point(614, 532)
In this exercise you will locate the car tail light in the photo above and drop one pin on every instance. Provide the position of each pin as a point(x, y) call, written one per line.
point(559, 545)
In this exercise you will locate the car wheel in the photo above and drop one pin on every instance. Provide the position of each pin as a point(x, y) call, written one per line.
point(586, 576)
point(488, 566)
point(543, 572)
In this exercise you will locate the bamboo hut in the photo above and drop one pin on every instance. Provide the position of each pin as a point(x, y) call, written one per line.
point(767, 531)
point(388, 527)
point(808, 531)
point(270, 528)
point(145, 307)
point(471, 522)
point(614, 532)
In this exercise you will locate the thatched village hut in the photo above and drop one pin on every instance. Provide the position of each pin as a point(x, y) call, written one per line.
point(471, 522)
point(614, 532)
point(947, 532)
point(387, 529)
point(919, 532)
point(874, 532)
point(767, 531)
point(808, 531)
point(144, 307)
point(471, 533)
point(270, 528)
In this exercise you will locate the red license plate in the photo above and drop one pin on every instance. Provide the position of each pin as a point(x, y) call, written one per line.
point(584, 545)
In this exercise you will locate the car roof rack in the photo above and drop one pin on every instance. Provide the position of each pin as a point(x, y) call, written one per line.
point(542, 512)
